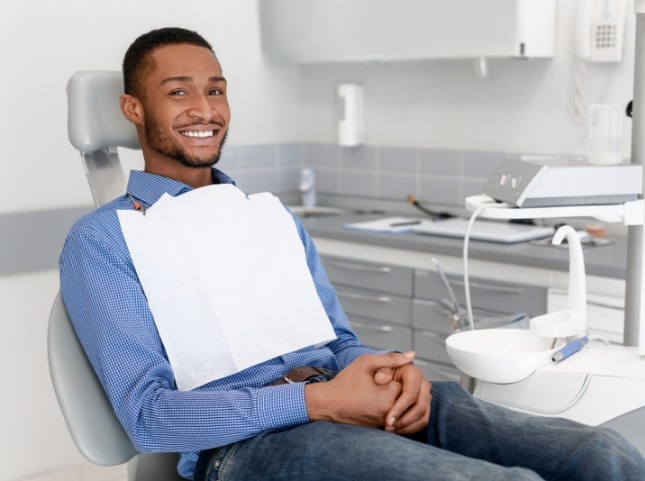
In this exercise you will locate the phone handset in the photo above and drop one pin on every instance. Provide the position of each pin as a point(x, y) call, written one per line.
point(600, 30)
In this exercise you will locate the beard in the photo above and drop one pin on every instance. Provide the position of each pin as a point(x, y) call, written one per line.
point(169, 147)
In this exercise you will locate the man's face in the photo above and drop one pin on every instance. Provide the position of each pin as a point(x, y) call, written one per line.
point(186, 112)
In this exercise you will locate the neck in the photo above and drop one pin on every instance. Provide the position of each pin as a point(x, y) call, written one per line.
point(193, 177)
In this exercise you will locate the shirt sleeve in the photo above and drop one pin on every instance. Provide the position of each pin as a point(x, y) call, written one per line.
point(108, 308)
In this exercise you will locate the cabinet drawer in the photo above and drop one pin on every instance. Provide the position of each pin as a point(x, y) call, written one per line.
point(431, 345)
point(367, 275)
point(438, 372)
point(485, 293)
point(375, 305)
point(431, 315)
point(382, 335)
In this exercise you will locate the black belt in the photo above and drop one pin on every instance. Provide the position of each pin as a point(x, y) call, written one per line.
point(307, 374)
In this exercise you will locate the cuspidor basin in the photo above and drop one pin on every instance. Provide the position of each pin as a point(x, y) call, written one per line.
point(500, 355)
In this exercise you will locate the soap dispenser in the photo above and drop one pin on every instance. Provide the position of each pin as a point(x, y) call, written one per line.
point(572, 320)
point(308, 188)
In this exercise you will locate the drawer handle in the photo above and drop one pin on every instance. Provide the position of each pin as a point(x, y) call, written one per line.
point(603, 304)
point(371, 327)
point(490, 287)
point(360, 267)
point(364, 297)
point(438, 338)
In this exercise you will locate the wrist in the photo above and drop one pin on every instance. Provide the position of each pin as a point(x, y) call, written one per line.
point(317, 402)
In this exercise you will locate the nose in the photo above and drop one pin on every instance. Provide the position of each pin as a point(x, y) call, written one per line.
point(201, 108)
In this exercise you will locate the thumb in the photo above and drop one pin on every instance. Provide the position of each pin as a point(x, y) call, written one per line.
point(383, 376)
point(391, 360)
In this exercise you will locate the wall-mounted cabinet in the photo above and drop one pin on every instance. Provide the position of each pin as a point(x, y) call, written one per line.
point(315, 31)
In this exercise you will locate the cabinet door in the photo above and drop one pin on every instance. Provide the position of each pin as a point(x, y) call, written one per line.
point(310, 31)
point(371, 276)
point(486, 294)
point(382, 335)
point(432, 346)
point(432, 315)
point(438, 372)
point(375, 305)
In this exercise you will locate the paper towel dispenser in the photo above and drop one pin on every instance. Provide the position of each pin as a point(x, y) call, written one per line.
point(315, 31)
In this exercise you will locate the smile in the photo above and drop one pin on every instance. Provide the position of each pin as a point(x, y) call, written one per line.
point(201, 134)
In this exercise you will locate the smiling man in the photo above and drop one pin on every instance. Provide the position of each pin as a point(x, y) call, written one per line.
point(322, 408)
point(176, 98)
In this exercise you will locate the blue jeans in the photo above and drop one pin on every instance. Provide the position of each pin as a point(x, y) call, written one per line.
point(466, 439)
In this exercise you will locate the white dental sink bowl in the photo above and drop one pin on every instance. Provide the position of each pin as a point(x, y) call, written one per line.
point(500, 356)
point(316, 211)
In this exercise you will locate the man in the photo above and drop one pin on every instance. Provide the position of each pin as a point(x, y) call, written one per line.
point(363, 416)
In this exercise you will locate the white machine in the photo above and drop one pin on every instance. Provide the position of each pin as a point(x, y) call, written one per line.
point(540, 182)
point(599, 385)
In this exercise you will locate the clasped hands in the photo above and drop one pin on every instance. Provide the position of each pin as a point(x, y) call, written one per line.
point(384, 391)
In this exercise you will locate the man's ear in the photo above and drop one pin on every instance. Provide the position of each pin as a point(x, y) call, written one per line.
point(132, 109)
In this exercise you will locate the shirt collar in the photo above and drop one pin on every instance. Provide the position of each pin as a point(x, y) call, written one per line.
point(148, 188)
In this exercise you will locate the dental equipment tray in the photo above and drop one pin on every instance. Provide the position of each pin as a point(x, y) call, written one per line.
point(492, 231)
point(547, 182)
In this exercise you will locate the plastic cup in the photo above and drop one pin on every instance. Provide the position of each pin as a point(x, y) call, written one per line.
point(605, 134)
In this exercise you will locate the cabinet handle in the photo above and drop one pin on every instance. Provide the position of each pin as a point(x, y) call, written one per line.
point(603, 304)
point(364, 297)
point(490, 287)
point(360, 267)
point(438, 338)
point(371, 327)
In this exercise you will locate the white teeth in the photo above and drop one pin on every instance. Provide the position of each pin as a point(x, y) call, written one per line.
point(202, 134)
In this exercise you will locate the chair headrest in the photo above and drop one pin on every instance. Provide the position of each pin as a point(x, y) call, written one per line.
point(94, 118)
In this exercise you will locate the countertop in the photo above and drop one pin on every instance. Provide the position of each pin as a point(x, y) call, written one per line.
point(603, 261)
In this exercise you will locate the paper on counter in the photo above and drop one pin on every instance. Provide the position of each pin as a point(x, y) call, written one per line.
point(226, 280)
point(387, 225)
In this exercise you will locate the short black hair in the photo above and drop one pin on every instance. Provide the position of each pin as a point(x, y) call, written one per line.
point(138, 58)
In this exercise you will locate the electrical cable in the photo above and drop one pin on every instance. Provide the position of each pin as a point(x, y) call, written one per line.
point(471, 221)
point(435, 215)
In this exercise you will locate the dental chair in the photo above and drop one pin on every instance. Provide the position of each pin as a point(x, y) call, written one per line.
point(96, 128)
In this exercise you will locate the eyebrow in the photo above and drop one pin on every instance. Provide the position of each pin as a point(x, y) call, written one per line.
point(190, 79)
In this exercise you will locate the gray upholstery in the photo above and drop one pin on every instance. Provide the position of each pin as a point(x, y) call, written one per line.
point(96, 431)
point(96, 128)
point(94, 118)
point(94, 427)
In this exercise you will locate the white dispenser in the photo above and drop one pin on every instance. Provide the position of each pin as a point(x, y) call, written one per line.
point(350, 115)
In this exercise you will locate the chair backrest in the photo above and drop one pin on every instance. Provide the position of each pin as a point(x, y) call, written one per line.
point(96, 127)
point(94, 427)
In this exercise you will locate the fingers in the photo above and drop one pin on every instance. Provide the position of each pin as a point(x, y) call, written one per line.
point(381, 362)
point(417, 417)
point(383, 376)
point(413, 403)
point(386, 374)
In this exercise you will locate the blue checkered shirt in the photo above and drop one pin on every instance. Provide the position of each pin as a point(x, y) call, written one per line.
point(108, 308)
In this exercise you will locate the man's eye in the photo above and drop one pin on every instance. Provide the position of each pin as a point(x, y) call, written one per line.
point(177, 93)
point(215, 92)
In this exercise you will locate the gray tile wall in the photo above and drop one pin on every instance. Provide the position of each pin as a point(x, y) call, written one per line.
point(436, 176)
point(31, 241)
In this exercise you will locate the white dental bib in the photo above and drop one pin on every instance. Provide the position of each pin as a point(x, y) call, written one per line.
point(226, 280)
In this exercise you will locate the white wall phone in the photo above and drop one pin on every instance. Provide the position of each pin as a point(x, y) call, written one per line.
point(599, 30)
